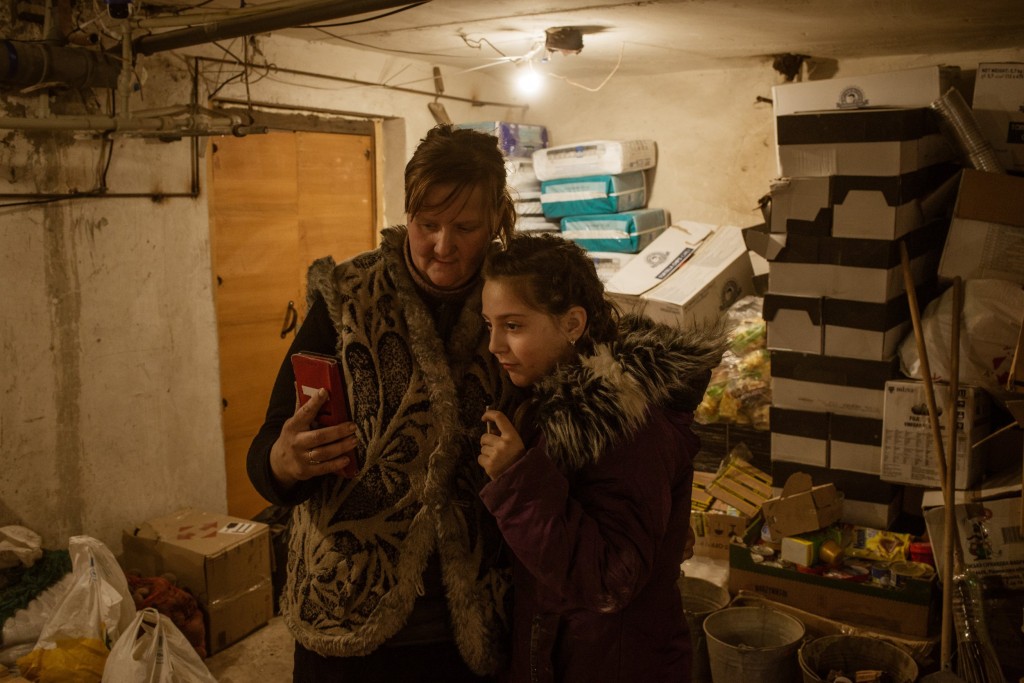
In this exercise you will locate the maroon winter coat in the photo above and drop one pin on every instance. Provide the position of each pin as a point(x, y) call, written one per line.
point(596, 511)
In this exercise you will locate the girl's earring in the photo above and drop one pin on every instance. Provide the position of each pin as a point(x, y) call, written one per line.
point(572, 342)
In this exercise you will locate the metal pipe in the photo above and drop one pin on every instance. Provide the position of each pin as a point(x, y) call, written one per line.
point(103, 124)
point(195, 18)
point(32, 64)
point(263, 22)
point(356, 81)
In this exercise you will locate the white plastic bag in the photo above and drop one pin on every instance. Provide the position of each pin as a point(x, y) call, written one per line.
point(989, 325)
point(75, 641)
point(153, 650)
point(19, 545)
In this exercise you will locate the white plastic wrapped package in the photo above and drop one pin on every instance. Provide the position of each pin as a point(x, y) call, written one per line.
point(594, 157)
point(989, 325)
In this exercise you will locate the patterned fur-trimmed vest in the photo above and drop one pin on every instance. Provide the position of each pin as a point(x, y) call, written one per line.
point(359, 547)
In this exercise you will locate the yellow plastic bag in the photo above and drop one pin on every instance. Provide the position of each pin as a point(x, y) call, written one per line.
point(75, 660)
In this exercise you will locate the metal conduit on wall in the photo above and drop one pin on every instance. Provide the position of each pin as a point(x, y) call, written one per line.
point(305, 13)
point(31, 64)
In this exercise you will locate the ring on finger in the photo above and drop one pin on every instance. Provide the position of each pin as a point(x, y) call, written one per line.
point(310, 458)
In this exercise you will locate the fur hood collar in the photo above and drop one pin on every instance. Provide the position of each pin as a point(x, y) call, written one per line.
point(584, 407)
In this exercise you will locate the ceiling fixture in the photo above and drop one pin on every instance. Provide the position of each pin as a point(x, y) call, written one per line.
point(564, 39)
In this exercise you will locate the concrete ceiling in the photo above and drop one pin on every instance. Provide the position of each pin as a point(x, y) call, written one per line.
point(662, 36)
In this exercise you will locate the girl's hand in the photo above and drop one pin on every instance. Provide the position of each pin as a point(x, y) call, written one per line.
point(501, 446)
point(302, 453)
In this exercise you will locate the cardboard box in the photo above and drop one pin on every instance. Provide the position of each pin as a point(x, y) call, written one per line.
point(801, 507)
point(714, 531)
point(608, 263)
point(719, 274)
point(867, 500)
point(224, 561)
point(866, 330)
point(761, 241)
point(866, 207)
point(662, 257)
point(855, 444)
point(999, 110)
point(989, 533)
point(908, 449)
point(854, 269)
point(848, 386)
point(912, 610)
point(800, 436)
point(917, 87)
point(986, 235)
point(794, 323)
point(875, 142)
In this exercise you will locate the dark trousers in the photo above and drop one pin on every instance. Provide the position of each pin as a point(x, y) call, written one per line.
point(389, 664)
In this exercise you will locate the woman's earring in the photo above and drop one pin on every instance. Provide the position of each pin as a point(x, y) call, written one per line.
point(572, 342)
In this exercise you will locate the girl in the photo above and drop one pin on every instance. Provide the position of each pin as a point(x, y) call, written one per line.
point(590, 483)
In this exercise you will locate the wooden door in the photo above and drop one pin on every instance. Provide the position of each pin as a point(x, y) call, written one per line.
point(277, 202)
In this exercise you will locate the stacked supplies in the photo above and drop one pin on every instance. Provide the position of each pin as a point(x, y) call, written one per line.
point(518, 142)
point(525, 189)
point(863, 167)
point(597, 190)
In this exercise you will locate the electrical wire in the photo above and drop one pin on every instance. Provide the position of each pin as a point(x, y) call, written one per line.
point(363, 21)
point(606, 78)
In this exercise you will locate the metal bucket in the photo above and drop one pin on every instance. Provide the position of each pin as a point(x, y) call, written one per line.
point(753, 644)
point(850, 654)
point(700, 598)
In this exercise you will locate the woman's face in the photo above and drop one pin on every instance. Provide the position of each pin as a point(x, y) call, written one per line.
point(448, 243)
point(528, 343)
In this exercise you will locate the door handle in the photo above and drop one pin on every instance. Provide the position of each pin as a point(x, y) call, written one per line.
point(291, 316)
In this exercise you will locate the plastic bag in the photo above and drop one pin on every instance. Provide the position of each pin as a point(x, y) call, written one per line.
point(19, 545)
point(21, 632)
point(75, 641)
point(153, 650)
point(740, 388)
point(989, 325)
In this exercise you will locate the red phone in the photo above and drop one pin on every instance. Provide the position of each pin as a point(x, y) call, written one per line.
point(315, 371)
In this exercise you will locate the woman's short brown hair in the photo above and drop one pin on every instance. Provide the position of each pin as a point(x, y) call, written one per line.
point(464, 159)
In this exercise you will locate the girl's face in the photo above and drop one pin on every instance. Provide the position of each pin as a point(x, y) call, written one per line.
point(527, 342)
point(448, 243)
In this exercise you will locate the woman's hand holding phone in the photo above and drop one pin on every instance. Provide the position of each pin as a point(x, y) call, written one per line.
point(302, 452)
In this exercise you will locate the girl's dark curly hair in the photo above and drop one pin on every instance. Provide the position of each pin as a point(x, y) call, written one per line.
point(463, 159)
point(556, 275)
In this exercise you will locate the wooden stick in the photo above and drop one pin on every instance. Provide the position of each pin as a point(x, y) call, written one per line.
point(933, 418)
point(950, 536)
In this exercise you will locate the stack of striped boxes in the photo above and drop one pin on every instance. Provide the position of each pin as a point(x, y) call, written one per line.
point(518, 142)
point(597, 191)
point(855, 182)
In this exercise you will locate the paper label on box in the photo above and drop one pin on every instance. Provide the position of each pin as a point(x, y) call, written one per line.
point(989, 535)
point(240, 528)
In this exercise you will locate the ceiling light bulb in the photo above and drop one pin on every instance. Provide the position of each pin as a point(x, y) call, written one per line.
point(529, 81)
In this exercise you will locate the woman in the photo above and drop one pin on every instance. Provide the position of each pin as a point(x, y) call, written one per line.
point(590, 484)
point(364, 595)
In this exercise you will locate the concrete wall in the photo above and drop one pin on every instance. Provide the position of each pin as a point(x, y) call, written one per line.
point(109, 387)
point(109, 378)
